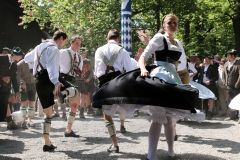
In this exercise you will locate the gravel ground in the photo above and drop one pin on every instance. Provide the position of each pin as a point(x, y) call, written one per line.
point(209, 140)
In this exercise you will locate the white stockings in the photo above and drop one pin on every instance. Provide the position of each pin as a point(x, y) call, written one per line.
point(154, 134)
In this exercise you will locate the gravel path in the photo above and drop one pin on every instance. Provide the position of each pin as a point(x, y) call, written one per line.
point(210, 140)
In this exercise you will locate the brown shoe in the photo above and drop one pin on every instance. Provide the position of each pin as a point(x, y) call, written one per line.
point(229, 118)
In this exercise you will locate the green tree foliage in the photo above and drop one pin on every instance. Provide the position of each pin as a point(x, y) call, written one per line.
point(205, 26)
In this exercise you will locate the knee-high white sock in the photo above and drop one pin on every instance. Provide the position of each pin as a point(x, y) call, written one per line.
point(169, 134)
point(153, 138)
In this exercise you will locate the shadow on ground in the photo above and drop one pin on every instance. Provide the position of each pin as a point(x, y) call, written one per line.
point(206, 124)
point(9, 146)
point(216, 143)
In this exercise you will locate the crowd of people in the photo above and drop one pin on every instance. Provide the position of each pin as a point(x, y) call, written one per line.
point(64, 78)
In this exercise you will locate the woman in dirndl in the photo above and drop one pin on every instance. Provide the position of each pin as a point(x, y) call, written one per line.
point(155, 89)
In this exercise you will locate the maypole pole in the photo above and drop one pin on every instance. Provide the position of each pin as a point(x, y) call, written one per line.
point(126, 25)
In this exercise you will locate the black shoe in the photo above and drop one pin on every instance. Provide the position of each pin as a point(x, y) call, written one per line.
point(209, 115)
point(113, 149)
point(122, 129)
point(12, 125)
point(48, 148)
point(175, 138)
point(55, 115)
point(71, 134)
point(61, 98)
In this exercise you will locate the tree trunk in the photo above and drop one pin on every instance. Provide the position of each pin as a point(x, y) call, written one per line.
point(158, 8)
point(236, 26)
point(186, 32)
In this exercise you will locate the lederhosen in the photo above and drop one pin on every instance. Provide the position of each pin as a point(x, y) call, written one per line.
point(44, 86)
point(109, 63)
point(74, 65)
point(83, 86)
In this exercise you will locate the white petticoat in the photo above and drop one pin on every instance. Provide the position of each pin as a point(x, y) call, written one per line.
point(157, 114)
point(235, 103)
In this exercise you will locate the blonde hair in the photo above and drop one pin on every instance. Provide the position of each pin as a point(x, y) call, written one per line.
point(164, 17)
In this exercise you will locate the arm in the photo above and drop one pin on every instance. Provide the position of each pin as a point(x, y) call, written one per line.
point(19, 73)
point(237, 85)
point(53, 66)
point(215, 74)
point(126, 60)
point(99, 67)
point(193, 69)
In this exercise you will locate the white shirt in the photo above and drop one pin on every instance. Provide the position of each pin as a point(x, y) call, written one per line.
point(157, 44)
point(230, 64)
point(49, 60)
point(134, 63)
point(122, 61)
point(65, 61)
point(191, 66)
point(205, 78)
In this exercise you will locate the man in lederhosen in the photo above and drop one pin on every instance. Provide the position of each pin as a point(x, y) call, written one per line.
point(48, 83)
point(28, 91)
point(110, 60)
point(8, 69)
point(70, 65)
point(83, 83)
point(231, 79)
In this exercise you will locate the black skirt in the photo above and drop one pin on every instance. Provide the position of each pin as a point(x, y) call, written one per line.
point(131, 88)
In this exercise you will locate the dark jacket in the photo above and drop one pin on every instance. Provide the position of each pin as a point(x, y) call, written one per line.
point(211, 73)
point(233, 78)
point(10, 70)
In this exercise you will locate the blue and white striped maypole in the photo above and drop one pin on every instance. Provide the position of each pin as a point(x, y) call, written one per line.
point(126, 24)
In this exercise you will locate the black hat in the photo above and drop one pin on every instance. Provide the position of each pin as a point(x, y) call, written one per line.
point(6, 48)
point(193, 55)
point(17, 51)
point(232, 52)
point(209, 56)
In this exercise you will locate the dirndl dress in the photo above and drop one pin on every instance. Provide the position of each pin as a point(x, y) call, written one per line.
point(160, 95)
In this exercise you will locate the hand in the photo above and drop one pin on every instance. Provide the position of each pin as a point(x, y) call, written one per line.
point(17, 96)
point(144, 73)
point(57, 89)
point(87, 80)
point(207, 82)
point(235, 86)
point(6, 79)
point(23, 86)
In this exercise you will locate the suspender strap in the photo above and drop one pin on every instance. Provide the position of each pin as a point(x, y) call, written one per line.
point(72, 62)
point(109, 63)
point(40, 57)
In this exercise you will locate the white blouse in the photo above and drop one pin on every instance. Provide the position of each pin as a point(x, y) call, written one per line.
point(157, 44)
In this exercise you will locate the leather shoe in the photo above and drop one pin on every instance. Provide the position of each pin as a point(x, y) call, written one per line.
point(113, 149)
point(47, 148)
point(71, 134)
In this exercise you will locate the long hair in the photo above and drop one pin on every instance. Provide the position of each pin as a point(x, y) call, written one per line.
point(164, 17)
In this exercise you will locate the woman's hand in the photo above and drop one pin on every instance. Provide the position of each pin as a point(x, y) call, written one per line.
point(144, 73)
